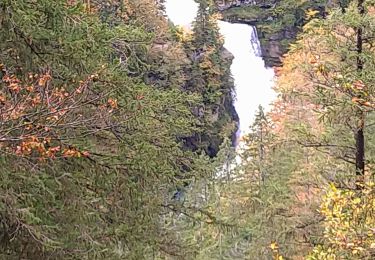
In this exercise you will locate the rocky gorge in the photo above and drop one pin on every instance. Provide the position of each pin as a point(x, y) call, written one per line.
point(277, 21)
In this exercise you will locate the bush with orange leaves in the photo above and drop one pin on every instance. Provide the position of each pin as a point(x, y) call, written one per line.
point(39, 119)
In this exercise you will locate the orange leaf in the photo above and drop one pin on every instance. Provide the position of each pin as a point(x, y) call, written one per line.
point(113, 103)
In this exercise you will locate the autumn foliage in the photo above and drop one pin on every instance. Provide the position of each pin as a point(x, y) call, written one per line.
point(37, 116)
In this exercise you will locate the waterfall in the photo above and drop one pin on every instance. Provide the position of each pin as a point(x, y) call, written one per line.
point(253, 81)
point(255, 44)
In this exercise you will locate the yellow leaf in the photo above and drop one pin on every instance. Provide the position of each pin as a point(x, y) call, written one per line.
point(274, 246)
point(311, 13)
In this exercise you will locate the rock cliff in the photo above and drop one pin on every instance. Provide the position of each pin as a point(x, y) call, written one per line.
point(277, 21)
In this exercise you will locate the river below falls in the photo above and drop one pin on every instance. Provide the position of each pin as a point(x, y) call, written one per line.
point(253, 81)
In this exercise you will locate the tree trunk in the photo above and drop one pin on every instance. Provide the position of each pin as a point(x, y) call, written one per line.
point(359, 135)
point(360, 149)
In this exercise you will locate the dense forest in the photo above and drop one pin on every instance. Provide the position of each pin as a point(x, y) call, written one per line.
point(118, 132)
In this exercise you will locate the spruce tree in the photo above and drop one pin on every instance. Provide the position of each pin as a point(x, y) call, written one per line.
point(95, 155)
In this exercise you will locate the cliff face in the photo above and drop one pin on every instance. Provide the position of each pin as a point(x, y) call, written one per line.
point(169, 61)
point(219, 115)
point(226, 4)
point(277, 21)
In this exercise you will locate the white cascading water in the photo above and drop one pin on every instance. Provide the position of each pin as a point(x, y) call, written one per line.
point(253, 82)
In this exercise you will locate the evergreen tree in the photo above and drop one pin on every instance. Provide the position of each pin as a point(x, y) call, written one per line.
point(344, 85)
point(257, 142)
point(210, 77)
point(92, 155)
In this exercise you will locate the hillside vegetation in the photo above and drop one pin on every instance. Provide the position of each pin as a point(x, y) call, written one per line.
point(305, 186)
point(106, 113)
point(117, 133)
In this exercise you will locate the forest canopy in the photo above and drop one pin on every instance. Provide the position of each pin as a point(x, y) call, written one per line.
point(118, 133)
point(100, 127)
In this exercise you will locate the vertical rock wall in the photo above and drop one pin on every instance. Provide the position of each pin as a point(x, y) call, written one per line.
point(277, 21)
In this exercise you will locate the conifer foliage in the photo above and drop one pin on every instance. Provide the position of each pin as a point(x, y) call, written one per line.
point(94, 111)
point(116, 134)
point(305, 186)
